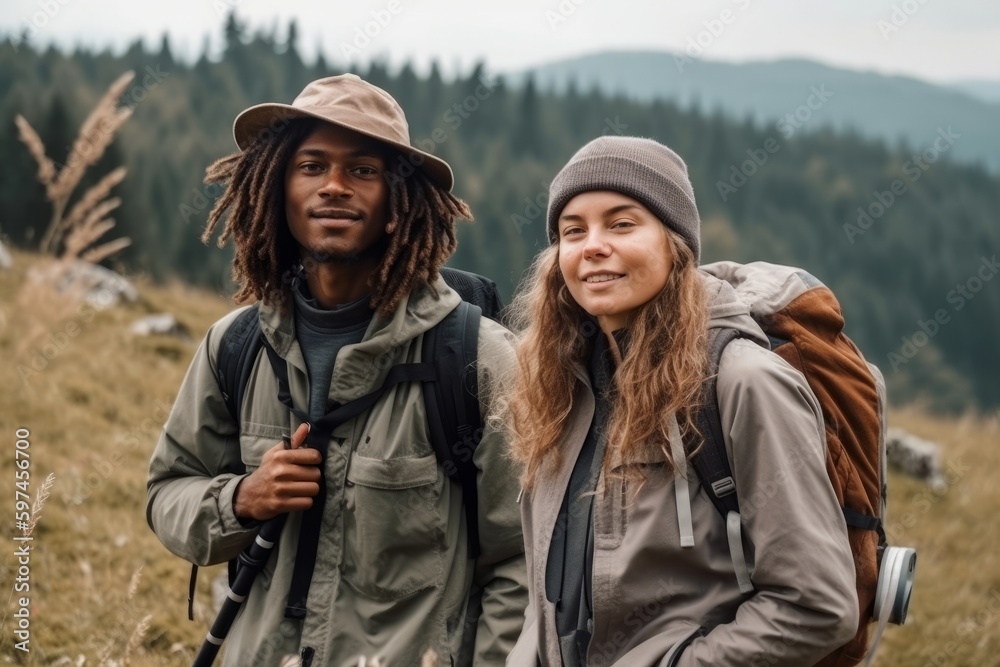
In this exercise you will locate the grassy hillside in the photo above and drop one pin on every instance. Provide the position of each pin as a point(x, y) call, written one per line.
point(94, 412)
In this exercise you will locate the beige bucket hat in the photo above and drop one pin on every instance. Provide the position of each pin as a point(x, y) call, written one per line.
point(348, 101)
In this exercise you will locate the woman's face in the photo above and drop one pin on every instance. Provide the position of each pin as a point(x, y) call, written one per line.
point(614, 255)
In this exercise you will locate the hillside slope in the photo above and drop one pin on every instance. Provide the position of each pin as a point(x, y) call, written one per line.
point(94, 412)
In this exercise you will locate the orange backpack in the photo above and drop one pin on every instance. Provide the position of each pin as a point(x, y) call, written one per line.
point(804, 323)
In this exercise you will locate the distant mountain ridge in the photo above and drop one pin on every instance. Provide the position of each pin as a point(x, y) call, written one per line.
point(985, 91)
point(877, 106)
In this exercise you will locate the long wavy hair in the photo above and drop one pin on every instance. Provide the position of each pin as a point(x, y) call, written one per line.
point(661, 372)
point(422, 218)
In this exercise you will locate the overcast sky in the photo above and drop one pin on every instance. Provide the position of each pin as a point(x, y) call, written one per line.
point(935, 40)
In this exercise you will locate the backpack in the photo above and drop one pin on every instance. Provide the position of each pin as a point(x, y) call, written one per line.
point(451, 398)
point(804, 324)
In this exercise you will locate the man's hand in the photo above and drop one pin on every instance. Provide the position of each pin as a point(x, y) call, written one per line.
point(286, 481)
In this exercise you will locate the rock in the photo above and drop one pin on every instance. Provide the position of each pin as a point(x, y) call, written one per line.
point(102, 287)
point(161, 324)
point(6, 261)
point(915, 456)
point(99, 287)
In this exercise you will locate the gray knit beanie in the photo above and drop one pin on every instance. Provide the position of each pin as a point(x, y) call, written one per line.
point(643, 169)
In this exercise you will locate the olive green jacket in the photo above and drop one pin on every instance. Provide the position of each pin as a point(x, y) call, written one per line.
point(392, 575)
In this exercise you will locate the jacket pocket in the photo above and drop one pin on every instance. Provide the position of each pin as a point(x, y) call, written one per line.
point(256, 439)
point(393, 526)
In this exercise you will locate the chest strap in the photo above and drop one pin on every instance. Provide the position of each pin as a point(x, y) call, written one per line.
point(319, 438)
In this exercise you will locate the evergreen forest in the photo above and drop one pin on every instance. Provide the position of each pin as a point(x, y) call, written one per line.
point(905, 236)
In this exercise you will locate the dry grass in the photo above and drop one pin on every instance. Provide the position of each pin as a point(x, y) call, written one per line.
point(954, 617)
point(95, 411)
point(68, 236)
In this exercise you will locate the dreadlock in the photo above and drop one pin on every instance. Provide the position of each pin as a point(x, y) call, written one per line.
point(422, 220)
point(421, 226)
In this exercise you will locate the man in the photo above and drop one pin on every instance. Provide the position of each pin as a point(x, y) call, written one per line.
point(340, 227)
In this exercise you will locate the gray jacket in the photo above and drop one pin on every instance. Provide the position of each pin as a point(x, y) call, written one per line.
point(392, 575)
point(650, 594)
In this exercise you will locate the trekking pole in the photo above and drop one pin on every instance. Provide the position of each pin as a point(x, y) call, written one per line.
point(252, 560)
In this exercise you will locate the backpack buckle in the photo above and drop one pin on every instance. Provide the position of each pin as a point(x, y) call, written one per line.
point(723, 487)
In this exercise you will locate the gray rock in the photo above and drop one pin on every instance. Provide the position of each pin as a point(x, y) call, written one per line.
point(915, 456)
point(99, 287)
point(161, 324)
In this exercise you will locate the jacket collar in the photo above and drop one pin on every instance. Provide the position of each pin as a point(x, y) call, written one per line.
point(357, 372)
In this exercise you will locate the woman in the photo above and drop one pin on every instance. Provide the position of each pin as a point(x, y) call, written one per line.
point(629, 561)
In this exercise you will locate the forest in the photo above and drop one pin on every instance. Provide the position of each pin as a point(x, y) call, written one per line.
point(904, 235)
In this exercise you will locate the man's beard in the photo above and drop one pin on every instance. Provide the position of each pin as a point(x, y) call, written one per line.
point(349, 258)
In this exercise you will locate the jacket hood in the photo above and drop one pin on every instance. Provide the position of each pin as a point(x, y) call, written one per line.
point(388, 340)
point(727, 310)
point(418, 312)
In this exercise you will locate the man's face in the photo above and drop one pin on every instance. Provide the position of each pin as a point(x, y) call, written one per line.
point(337, 196)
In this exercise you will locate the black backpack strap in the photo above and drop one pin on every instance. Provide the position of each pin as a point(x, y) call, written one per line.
point(319, 437)
point(240, 344)
point(452, 405)
point(711, 462)
point(237, 352)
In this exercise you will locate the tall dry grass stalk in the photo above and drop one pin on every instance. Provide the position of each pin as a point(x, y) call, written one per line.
point(68, 236)
point(127, 647)
point(41, 495)
point(135, 641)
